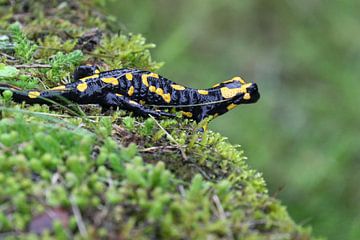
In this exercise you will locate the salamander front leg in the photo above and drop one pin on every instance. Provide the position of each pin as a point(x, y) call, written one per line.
point(85, 71)
point(117, 100)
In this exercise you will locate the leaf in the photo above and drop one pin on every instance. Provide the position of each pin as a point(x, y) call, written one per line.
point(5, 42)
point(8, 71)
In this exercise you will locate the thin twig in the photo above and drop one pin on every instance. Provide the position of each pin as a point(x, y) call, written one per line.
point(80, 223)
point(202, 172)
point(55, 178)
point(54, 114)
point(182, 190)
point(219, 207)
point(42, 83)
point(166, 132)
point(90, 53)
point(222, 214)
point(190, 105)
point(7, 56)
point(171, 139)
point(34, 65)
point(156, 148)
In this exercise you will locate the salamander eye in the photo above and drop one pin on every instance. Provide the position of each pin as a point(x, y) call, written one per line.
point(252, 93)
point(85, 71)
point(252, 88)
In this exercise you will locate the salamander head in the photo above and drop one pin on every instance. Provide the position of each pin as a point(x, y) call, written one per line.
point(240, 90)
point(252, 94)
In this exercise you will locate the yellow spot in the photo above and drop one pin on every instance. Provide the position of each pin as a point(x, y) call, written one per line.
point(133, 102)
point(203, 92)
point(242, 81)
point(229, 93)
point(129, 76)
point(142, 102)
point(33, 94)
point(187, 114)
point(89, 77)
point(131, 91)
point(159, 91)
point(231, 106)
point(97, 71)
point(232, 92)
point(154, 75)
point(177, 87)
point(216, 85)
point(119, 95)
point(58, 88)
point(110, 80)
point(166, 97)
point(152, 89)
point(247, 96)
point(216, 115)
point(235, 79)
point(145, 80)
point(82, 87)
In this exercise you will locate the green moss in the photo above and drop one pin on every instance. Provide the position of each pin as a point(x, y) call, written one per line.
point(117, 176)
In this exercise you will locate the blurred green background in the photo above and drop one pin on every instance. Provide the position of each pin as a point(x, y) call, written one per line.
point(304, 133)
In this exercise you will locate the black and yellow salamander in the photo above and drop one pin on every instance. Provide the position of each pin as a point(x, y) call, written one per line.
point(143, 93)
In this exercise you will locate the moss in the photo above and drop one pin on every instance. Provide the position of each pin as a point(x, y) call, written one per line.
point(73, 173)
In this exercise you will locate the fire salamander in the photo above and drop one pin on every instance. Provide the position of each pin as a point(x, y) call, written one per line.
point(143, 93)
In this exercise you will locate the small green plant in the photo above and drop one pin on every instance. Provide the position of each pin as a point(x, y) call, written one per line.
point(7, 95)
point(24, 48)
point(61, 64)
point(60, 61)
point(129, 123)
point(147, 127)
point(53, 43)
point(128, 51)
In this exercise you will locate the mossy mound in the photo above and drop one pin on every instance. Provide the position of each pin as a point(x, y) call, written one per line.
point(68, 172)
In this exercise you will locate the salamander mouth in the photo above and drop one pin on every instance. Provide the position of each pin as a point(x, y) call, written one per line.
point(255, 97)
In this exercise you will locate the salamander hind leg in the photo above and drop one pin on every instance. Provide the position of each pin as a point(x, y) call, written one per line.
point(85, 71)
point(117, 100)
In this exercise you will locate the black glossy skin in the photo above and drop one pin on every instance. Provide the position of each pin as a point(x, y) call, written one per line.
point(144, 93)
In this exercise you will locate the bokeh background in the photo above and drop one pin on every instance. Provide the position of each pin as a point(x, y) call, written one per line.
point(304, 133)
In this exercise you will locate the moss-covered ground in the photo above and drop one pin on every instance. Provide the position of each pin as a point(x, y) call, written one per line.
point(70, 172)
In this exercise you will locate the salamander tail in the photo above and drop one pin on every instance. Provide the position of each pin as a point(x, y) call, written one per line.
point(31, 96)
